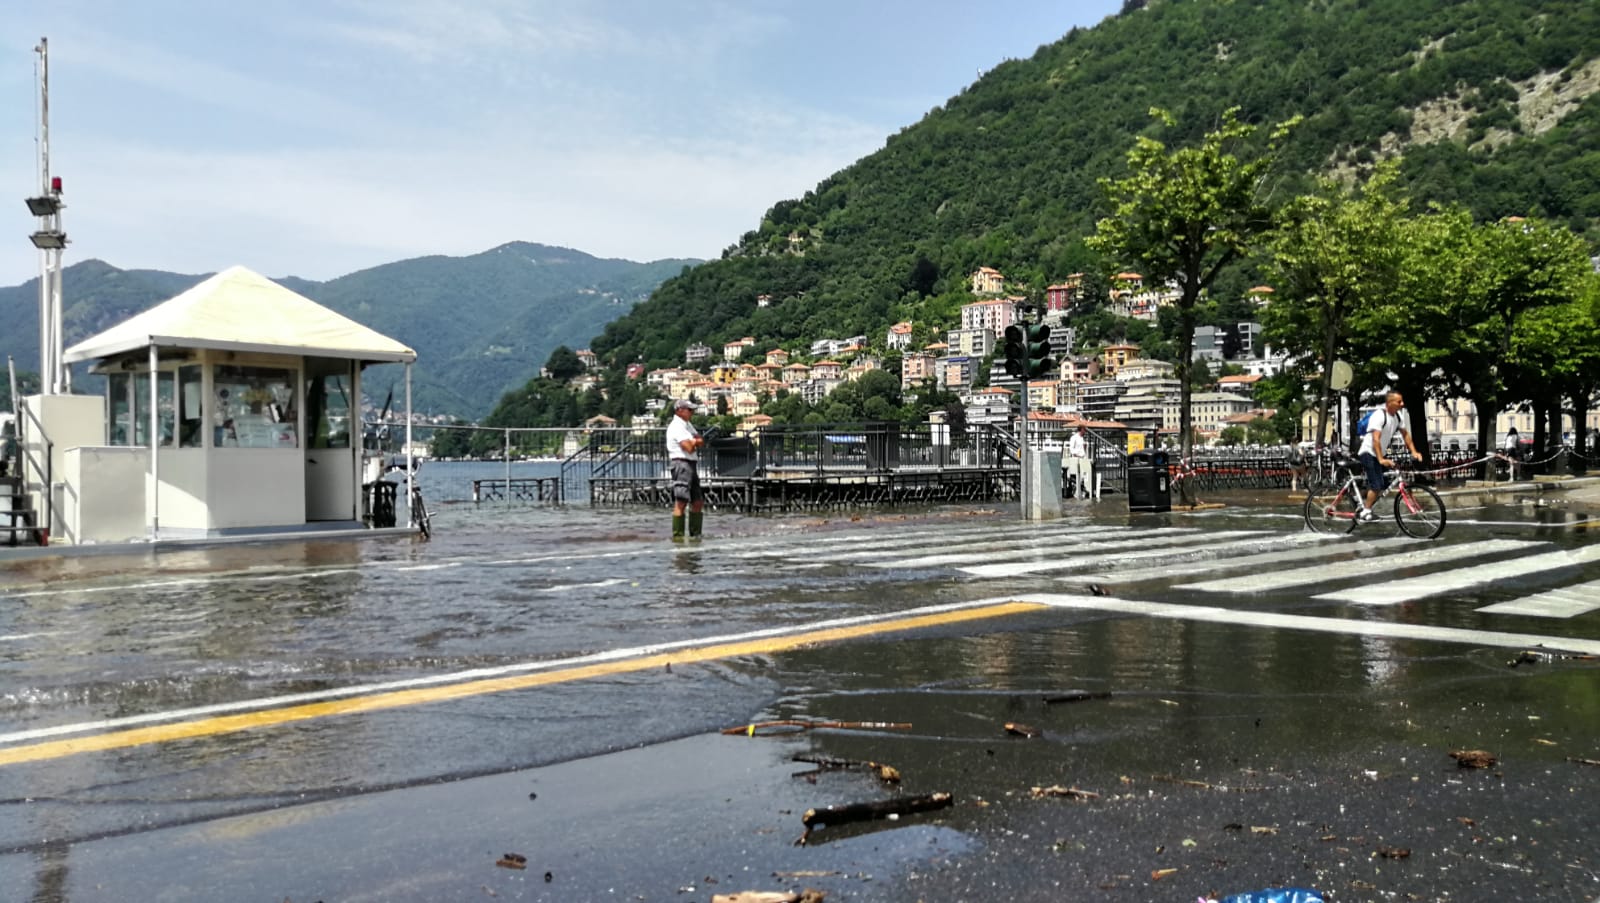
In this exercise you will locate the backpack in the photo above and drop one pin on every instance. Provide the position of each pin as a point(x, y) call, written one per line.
point(1363, 426)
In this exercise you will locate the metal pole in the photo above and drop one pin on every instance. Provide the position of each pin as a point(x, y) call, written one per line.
point(155, 447)
point(1022, 448)
point(508, 464)
point(46, 294)
point(411, 467)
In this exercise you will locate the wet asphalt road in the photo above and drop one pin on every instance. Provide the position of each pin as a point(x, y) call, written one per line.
point(1234, 750)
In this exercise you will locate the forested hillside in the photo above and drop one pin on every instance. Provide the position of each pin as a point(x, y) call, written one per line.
point(480, 324)
point(1488, 104)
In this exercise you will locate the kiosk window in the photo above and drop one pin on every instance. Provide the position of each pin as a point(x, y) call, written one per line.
point(254, 408)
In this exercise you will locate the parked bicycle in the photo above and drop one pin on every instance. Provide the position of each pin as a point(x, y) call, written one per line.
point(419, 511)
point(1335, 507)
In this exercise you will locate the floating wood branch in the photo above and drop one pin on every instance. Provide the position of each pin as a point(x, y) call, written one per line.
point(1068, 792)
point(794, 725)
point(850, 813)
point(1075, 696)
point(886, 773)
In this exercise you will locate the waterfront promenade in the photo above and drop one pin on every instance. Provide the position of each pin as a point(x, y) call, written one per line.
point(387, 719)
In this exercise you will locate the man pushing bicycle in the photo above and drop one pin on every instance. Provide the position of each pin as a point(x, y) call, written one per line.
point(1377, 432)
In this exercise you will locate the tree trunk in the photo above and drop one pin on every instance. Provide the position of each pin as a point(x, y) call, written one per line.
point(1412, 387)
point(1488, 408)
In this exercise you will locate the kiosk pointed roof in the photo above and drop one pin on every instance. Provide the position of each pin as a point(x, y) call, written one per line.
point(238, 309)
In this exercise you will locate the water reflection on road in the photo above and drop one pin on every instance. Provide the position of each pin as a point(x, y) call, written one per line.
point(98, 638)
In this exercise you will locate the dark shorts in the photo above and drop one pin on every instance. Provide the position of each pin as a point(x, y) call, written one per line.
point(1375, 477)
point(686, 481)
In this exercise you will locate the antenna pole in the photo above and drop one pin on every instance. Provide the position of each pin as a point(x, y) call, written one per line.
point(51, 241)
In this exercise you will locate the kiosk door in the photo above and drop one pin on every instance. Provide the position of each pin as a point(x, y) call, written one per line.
point(331, 413)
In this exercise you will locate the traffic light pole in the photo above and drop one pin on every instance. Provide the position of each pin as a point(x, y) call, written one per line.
point(1022, 454)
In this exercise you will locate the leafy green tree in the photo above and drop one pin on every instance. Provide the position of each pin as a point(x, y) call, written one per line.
point(1555, 350)
point(1183, 215)
point(1333, 252)
point(563, 364)
point(1513, 267)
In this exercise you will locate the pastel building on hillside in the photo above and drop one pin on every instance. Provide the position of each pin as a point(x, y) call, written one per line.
point(988, 281)
point(899, 336)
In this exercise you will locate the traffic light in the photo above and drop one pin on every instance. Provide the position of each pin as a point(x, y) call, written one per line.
point(1016, 351)
point(1028, 350)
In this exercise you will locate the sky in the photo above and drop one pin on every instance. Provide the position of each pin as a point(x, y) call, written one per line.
point(315, 138)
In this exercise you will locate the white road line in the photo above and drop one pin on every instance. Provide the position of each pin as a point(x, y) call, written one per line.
point(1566, 602)
point(1433, 554)
point(250, 705)
point(1318, 546)
point(1273, 620)
point(1150, 547)
point(566, 586)
point(28, 636)
point(1393, 592)
point(188, 581)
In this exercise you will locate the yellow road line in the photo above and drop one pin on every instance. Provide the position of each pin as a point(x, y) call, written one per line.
point(206, 727)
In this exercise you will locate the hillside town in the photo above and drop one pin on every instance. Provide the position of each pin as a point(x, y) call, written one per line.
point(1105, 386)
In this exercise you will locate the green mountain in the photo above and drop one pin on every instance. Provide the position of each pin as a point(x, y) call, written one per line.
point(1490, 104)
point(481, 325)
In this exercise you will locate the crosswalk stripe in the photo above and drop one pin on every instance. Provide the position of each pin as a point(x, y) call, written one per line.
point(1100, 553)
point(1019, 545)
point(1349, 626)
point(1054, 545)
point(1407, 589)
point(1304, 547)
point(900, 540)
point(1433, 554)
point(1566, 602)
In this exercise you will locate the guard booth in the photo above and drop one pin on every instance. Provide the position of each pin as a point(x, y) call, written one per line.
point(232, 408)
point(1149, 482)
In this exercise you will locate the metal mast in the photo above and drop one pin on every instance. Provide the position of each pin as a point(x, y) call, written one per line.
point(51, 240)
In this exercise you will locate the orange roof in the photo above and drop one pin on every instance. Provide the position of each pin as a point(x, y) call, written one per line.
point(1260, 289)
point(1128, 276)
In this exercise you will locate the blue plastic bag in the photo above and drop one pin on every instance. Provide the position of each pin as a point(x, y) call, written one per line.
point(1276, 895)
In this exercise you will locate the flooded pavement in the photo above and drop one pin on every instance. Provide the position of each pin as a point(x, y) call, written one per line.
point(385, 720)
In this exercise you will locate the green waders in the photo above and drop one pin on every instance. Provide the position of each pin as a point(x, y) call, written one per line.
point(696, 519)
point(677, 528)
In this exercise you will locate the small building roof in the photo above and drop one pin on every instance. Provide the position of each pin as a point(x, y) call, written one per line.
point(240, 310)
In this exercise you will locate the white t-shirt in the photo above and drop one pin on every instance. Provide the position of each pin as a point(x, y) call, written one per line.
point(1384, 424)
point(1075, 448)
point(679, 431)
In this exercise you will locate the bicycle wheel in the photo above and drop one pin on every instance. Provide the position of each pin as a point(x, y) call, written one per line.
point(1331, 508)
point(1419, 511)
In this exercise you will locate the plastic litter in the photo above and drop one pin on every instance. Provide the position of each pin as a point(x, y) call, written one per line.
point(1273, 895)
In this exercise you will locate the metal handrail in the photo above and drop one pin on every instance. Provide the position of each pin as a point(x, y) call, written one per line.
point(48, 467)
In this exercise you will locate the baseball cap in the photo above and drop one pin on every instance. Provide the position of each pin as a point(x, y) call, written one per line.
point(683, 404)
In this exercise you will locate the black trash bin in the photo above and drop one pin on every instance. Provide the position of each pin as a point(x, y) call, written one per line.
point(1149, 484)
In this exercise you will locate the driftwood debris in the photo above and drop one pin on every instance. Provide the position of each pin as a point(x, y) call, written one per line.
point(886, 773)
point(1017, 729)
point(1172, 779)
point(850, 813)
point(1473, 758)
point(794, 725)
point(809, 895)
point(1068, 792)
point(1075, 696)
point(1583, 761)
point(513, 861)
